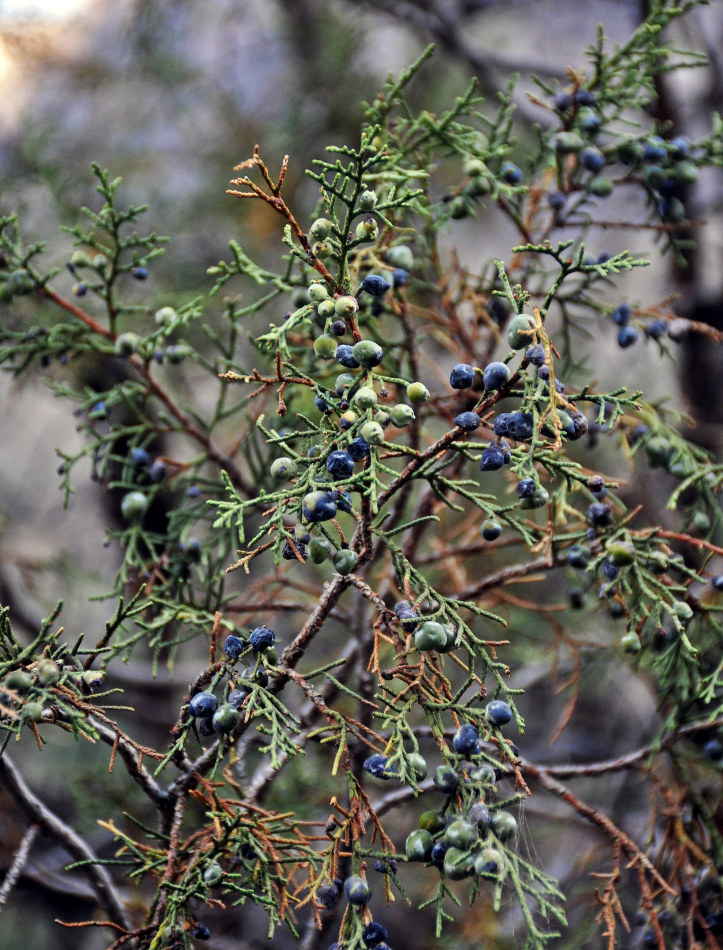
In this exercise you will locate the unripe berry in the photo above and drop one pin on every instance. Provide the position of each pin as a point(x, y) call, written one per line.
point(365, 398)
point(367, 200)
point(133, 505)
point(325, 347)
point(165, 315)
point(417, 392)
point(320, 229)
point(372, 433)
point(283, 469)
point(318, 292)
point(367, 353)
point(400, 256)
point(519, 331)
point(401, 415)
point(126, 343)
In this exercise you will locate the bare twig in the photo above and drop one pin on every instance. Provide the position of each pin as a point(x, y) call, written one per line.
point(19, 861)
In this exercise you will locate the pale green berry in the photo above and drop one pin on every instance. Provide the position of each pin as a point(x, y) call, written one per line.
point(365, 398)
point(318, 292)
point(346, 306)
point(367, 200)
point(367, 230)
point(326, 309)
point(417, 392)
point(165, 315)
point(400, 256)
point(320, 229)
point(126, 344)
point(133, 505)
point(322, 249)
point(372, 433)
point(519, 331)
point(325, 347)
point(401, 415)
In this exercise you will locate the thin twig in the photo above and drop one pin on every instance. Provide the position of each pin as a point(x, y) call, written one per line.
point(19, 861)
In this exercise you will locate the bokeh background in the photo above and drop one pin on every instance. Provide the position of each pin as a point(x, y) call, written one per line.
point(171, 94)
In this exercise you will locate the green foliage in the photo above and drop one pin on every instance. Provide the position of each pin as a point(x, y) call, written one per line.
point(292, 460)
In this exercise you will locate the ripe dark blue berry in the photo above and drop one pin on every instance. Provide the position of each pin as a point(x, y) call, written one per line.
point(140, 273)
point(323, 404)
point(318, 506)
point(359, 449)
point(233, 647)
point(627, 336)
point(479, 814)
point(501, 423)
point(386, 866)
point(654, 149)
point(340, 464)
point(202, 705)
point(717, 581)
point(373, 934)
point(495, 375)
point(544, 374)
point(610, 570)
point(556, 200)
point(139, 457)
point(491, 529)
point(519, 426)
point(468, 421)
point(511, 173)
point(262, 638)
point(578, 557)
point(201, 932)
point(498, 713)
point(526, 488)
point(592, 159)
point(563, 101)
point(345, 356)
point(438, 852)
point(406, 615)
point(492, 459)
point(657, 329)
point(466, 740)
point(237, 696)
point(600, 515)
point(399, 277)
point(376, 765)
point(535, 354)
point(342, 499)
point(357, 890)
point(158, 471)
point(714, 750)
point(462, 376)
point(622, 314)
point(375, 285)
point(328, 896)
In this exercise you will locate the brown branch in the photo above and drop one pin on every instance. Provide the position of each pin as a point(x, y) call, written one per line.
point(631, 759)
point(39, 813)
point(277, 203)
point(190, 427)
point(637, 857)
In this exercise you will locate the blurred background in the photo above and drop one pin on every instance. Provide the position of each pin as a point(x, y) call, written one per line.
point(171, 94)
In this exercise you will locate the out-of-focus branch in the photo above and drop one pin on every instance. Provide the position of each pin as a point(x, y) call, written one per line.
point(63, 835)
